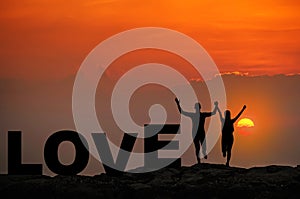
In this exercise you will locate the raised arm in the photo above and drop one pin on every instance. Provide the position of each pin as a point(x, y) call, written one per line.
point(240, 113)
point(178, 105)
point(208, 114)
point(188, 114)
point(215, 109)
point(220, 114)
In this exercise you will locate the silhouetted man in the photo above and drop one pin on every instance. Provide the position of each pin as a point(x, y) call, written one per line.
point(198, 131)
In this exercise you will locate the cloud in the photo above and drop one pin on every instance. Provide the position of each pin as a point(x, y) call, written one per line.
point(237, 73)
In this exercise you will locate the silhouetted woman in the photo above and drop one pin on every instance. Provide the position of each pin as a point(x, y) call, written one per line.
point(227, 132)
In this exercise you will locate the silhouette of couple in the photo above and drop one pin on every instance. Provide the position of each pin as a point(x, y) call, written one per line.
point(198, 131)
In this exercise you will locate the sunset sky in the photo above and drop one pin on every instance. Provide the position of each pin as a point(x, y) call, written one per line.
point(255, 44)
point(50, 39)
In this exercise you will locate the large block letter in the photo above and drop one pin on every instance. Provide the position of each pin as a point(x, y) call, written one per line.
point(15, 166)
point(152, 145)
point(111, 167)
point(81, 151)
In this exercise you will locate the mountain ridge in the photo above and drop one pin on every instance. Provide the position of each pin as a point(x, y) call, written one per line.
point(204, 180)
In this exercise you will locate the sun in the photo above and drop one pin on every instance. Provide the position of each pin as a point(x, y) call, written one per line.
point(245, 126)
point(245, 122)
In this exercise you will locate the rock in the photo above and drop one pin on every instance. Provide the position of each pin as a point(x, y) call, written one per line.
point(204, 180)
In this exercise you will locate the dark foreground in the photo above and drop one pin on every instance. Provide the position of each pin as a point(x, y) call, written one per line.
point(199, 181)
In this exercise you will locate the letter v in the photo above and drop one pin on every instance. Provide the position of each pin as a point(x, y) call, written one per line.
point(105, 154)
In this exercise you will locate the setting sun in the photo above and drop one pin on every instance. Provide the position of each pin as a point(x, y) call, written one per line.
point(245, 126)
point(245, 122)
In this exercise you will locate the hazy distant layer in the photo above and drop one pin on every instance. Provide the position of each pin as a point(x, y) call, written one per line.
point(41, 108)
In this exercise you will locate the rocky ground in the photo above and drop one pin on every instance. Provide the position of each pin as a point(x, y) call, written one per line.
point(198, 181)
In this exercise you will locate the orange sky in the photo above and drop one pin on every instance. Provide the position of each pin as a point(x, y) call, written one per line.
point(49, 39)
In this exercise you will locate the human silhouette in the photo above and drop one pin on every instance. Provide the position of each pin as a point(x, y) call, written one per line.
point(198, 131)
point(227, 132)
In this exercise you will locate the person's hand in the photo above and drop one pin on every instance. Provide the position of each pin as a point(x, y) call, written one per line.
point(244, 107)
point(216, 103)
point(176, 100)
